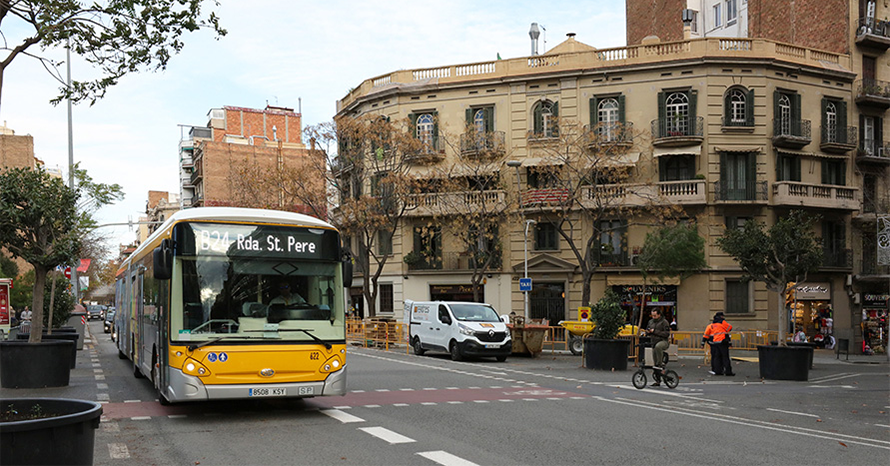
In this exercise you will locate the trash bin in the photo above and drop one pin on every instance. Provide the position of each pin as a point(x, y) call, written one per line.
point(76, 322)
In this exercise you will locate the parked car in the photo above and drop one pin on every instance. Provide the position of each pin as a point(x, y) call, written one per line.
point(109, 320)
point(94, 311)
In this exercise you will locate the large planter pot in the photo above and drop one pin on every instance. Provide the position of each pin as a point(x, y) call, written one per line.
point(607, 355)
point(785, 362)
point(66, 435)
point(35, 365)
point(69, 336)
point(805, 345)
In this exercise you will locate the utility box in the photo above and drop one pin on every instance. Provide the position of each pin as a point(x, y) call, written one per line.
point(77, 321)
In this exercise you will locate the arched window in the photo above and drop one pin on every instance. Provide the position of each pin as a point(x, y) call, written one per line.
point(830, 122)
point(479, 121)
point(425, 124)
point(737, 106)
point(785, 115)
point(545, 119)
point(677, 110)
point(607, 115)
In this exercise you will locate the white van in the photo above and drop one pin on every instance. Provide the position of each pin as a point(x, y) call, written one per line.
point(461, 328)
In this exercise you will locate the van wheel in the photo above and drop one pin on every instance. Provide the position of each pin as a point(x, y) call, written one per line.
point(455, 353)
point(418, 348)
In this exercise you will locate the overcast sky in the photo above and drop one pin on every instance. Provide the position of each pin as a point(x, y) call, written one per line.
point(276, 52)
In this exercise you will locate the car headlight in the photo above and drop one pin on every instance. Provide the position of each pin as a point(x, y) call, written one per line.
point(465, 330)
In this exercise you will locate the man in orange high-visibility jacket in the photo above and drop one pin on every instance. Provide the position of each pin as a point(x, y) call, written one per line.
point(717, 337)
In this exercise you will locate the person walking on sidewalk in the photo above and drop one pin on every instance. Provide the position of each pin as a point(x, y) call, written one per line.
point(717, 337)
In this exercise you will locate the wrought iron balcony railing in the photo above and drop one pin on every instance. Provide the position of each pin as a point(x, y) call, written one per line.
point(489, 143)
point(678, 127)
point(839, 138)
point(740, 191)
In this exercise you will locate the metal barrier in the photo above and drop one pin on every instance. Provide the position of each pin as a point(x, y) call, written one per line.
point(389, 334)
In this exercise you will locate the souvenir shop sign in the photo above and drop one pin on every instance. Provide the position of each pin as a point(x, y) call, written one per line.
point(875, 301)
point(812, 292)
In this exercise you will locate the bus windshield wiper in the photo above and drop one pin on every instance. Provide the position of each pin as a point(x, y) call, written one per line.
point(307, 332)
point(214, 341)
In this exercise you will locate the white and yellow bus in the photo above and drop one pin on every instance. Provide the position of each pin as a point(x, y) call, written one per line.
point(200, 312)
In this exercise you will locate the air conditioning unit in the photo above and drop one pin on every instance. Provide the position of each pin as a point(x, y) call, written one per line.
point(634, 258)
point(880, 152)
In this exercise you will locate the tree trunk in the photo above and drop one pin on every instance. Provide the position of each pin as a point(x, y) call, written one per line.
point(52, 297)
point(783, 317)
point(37, 304)
point(585, 287)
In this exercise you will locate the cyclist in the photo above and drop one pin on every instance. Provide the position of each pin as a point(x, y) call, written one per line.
point(659, 330)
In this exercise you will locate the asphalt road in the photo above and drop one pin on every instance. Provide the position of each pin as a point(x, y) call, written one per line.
point(406, 409)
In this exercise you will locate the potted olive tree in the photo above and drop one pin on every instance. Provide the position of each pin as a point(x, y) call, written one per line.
point(602, 350)
point(780, 256)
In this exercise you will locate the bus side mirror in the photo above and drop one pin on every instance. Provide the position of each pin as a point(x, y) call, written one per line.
point(162, 259)
point(346, 262)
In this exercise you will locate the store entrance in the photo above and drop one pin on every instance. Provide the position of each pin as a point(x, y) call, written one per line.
point(547, 301)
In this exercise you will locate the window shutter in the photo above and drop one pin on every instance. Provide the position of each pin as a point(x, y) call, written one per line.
point(469, 114)
point(662, 168)
point(435, 131)
point(488, 117)
point(727, 108)
point(825, 178)
point(780, 168)
point(662, 123)
point(594, 114)
point(795, 107)
point(693, 99)
point(621, 109)
point(842, 121)
point(796, 174)
point(413, 118)
point(751, 173)
point(861, 131)
point(824, 114)
point(539, 120)
point(879, 132)
point(555, 109)
point(842, 178)
point(749, 108)
point(777, 113)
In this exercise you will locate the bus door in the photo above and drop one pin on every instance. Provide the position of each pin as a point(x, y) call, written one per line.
point(163, 304)
point(136, 317)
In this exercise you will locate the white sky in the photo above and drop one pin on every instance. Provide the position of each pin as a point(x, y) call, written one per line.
point(276, 52)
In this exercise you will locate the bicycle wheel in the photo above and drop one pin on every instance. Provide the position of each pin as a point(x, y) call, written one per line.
point(671, 379)
point(639, 379)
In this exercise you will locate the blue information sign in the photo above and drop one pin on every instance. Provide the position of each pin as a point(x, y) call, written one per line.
point(525, 284)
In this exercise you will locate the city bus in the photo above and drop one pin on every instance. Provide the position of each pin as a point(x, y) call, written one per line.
point(199, 311)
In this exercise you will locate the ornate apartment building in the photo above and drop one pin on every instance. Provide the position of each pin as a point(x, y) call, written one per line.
point(723, 129)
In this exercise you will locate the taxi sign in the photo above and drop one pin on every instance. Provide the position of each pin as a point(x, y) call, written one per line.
point(525, 284)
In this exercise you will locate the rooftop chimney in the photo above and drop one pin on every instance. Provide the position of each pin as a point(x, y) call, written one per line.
point(534, 33)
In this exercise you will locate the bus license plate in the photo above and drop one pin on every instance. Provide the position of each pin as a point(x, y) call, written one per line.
point(492, 346)
point(267, 392)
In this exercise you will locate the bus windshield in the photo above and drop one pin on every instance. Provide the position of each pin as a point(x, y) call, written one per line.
point(226, 292)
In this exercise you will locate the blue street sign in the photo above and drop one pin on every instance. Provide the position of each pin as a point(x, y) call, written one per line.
point(525, 284)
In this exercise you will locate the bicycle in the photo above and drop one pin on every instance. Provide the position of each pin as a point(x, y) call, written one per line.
point(639, 380)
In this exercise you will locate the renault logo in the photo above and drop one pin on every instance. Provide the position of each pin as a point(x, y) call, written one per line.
point(491, 333)
point(267, 372)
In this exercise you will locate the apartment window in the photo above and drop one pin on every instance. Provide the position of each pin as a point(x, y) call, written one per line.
point(787, 114)
point(607, 116)
point(736, 222)
point(481, 119)
point(546, 237)
point(676, 113)
point(426, 129)
point(787, 167)
point(834, 244)
point(386, 298)
point(738, 297)
point(695, 22)
point(543, 177)
point(545, 114)
point(869, 193)
point(731, 11)
point(834, 121)
point(613, 250)
point(871, 135)
point(718, 15)
point(384, 242)
point(738, 108)
point(427, 248)
point(738, 176)
point(676, 167)
point(834, 172)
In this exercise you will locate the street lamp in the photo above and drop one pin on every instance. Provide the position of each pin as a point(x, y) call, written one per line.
point(516, 164)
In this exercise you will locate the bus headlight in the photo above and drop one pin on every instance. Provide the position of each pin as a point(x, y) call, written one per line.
point(193, 367)
point(331, 365)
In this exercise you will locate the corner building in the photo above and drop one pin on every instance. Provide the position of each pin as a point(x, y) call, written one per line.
point(728, 129)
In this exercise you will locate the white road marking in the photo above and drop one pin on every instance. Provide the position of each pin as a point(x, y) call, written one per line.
point(429, 403)
point(401, 405)
point(100, 377)
point(177, 416)
point(480, 401)
point(406, 389)
point(792, 412)
point(140, 418)
point(132, 401)
point(455, 402)
point(371, 406)
point(445, 458)
point(102, 386)
point(110, 426)
point(506, 401)
point(386, 435)
point(382, 390)
point(345, 418)
point(882, 425)
point(835, 378)
point(102, 397)
point(97, 371)
point(342, 407)
point(118, 451)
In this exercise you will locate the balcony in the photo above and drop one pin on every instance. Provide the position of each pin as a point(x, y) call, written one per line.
point(422, 205)
point(683, 192)
point(678, 132)
point(609, 134)
point(871, 151)
point(874, 33)
point(197, 173)
point(837, 258)
point(796, 194)
point(869, 263)
point(449, 261)
point(614, 259)
point(838, 139)
point(872, 93)
point(482, 146)
point(745, 192)
point(428, 152)
point(544, 197)
point(791, 133)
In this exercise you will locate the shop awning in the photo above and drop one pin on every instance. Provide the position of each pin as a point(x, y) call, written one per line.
point(662, 151)
point(618, 280)
point(810, 154)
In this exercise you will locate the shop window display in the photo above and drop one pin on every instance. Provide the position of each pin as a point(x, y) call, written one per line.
point(874, 323)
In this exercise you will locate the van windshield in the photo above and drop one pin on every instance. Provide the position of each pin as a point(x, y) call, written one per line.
point(475, 313)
